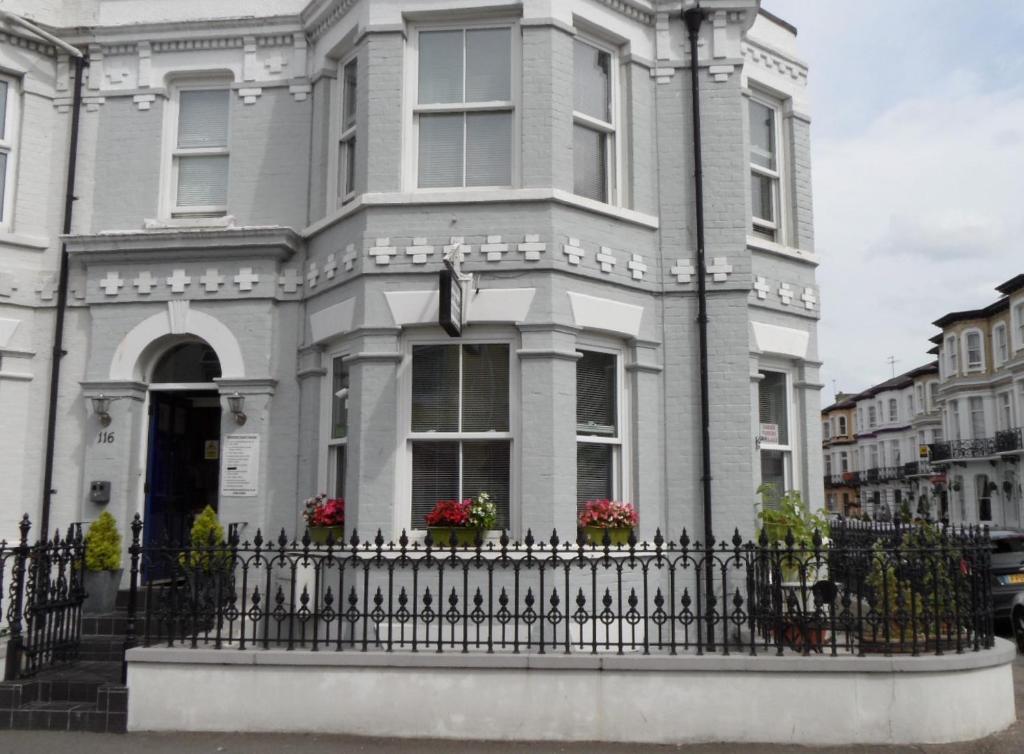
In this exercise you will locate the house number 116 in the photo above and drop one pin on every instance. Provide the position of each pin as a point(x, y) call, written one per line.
point(104, 438)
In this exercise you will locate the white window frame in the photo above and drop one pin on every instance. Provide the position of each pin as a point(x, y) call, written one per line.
point(413, 109)
point(1000, 345)
point(965, 340)
point(169, 163)
point(842, 426)
point(872, 416)
point(327, 477)
point(922, 405)
point(774, 231)
point(1018, 329)
point(956, 433)
point(9, 146)
point(844, 461)
point(894, 410)
point(789, 449)
point(435, 337)
point(340, 136)
point(972, 401)
point(613, 145)
point(952, 357)
point(826, 431)
point(621, 486)
point(1004, 410)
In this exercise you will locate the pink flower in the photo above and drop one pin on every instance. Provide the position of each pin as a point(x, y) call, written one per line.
point(608, 514)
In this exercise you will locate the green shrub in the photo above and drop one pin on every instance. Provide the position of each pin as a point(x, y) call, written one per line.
point(103, 544)
point(207, 544)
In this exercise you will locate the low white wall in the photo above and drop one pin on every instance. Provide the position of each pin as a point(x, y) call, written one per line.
point(869, 700)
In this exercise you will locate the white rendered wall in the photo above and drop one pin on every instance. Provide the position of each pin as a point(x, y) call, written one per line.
point(873, 700)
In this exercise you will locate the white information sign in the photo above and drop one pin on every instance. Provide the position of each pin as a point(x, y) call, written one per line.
point(240, 466)
point(770, 434)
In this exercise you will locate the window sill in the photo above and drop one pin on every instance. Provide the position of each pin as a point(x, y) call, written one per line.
point(770, 247)
point(35, 243)
point(224, 221)
point(480, 196)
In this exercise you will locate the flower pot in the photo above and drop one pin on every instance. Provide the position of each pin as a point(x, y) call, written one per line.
point(318, 534)
point(619, 535)
point(100, 591)
point(465, 536)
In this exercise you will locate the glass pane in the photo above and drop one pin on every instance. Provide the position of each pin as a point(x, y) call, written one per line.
point(203, 181)
point(187, 362)
point(339, 471)
point(3, 109)
point(349, 100)
point(589, 163)
point(339, 399)
point(595, 394)
point(772, 404)
point(347, 167)
point(485, 468)
point(435, 476)
point(762, 203)
point(203, 118)
point(488, 149)
point(441, 150)
point(488, 65)
point(773, 472)
point(484, 388)
point(440, 67)
point(762, 135)
point(592, 92)
point(593, 474)
point(435, 388)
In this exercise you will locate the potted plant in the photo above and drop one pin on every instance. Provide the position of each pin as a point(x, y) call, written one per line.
point(1007, 487)
point(608, 518)
point(325, 518)
point(461, 523)
point(780, 516)
point(207, 568)
point(102, 565)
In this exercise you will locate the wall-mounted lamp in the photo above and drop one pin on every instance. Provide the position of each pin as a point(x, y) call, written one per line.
point(101, 407)
point(236, 404)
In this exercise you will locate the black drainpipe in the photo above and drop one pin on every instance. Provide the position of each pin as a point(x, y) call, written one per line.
point(62, 301)
point(693, 18)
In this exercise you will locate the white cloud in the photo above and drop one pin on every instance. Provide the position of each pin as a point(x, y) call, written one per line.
point(917, 214)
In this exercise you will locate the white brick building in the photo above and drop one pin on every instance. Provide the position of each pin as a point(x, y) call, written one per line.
point(266, 189)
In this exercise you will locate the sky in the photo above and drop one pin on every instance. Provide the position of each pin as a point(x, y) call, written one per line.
point(917, 155)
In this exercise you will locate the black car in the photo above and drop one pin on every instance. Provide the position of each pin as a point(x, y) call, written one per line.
point(1007, 575)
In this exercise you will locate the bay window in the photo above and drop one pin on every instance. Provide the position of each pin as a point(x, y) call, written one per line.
point(951, 356)
point(894, 410)
point(765, 172)
point(464, 111)
point(972, 344)
point(460, 436)
point(1018, 315)
point(976, 407)
point(954, 420)
point(1000, 345)
point(598, 431)
point(1005, 412)
point(8, 143)
point(594, 122)
point(346, 155)
point(199, 158)
point(776, 450)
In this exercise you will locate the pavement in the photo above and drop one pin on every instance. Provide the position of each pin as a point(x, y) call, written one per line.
point(1010, 741)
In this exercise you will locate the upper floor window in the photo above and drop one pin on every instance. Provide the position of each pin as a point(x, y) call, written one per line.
point(826, 432)
point(894, 410)
point(872, 416)
point(972, 344)
point(348, 85)
point(844, 461)
point(765, 172)
point(8, 142)
point(933, 394)
point(776, 452)
point(842, 425)
point(1000, 344)
point(976, 406)
point(954, 420)
point(598, 434)
point(594, 122)
point(199, 157)
point(1018, 315)
point(921, 407)
point(1005, 410)
point(951, 356)
point(464, 109)
point(910, 405)
point(460, 435)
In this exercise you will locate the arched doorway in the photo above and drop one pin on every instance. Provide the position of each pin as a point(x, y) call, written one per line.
point(184, 431)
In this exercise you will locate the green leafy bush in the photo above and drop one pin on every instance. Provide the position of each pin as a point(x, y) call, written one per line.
point(789, 513)
point(207, 546)
point(103, 544)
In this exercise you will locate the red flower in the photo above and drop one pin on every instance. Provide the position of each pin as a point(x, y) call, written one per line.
point(450, 513)
point(324, 511)
point(608, 514)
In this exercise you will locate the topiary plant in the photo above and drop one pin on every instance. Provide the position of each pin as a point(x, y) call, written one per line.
point(206, 547)
point(103, 544)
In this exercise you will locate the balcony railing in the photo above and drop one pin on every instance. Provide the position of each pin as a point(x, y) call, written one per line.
point(917, 468)
point(964, 449)
point(1008, 440)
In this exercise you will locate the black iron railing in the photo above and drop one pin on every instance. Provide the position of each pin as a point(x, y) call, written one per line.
point(917, 468)
point(43, 586)
point(889, 473)
point(1008, 440)
point(925, 591)
point(966, 449)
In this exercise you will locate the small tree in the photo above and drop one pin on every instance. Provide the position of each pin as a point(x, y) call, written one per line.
point(103, 544)
point(207, 546)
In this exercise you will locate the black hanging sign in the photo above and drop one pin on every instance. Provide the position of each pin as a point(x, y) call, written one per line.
point(450, 304)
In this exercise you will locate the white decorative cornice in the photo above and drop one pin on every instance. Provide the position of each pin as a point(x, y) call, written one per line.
point(26, 43)
point(318, 20)
point(775, 61)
